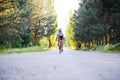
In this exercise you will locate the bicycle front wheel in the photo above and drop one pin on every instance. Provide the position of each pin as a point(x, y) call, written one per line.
point(60, 49)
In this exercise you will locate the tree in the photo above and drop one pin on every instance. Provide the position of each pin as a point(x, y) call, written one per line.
point(14, 20)
point(87, 24)
point(96, 21)
point(51, 22)
point(44, 20)
point(111, 16)
point(70, 41)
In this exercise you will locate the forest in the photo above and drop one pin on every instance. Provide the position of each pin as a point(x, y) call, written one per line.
point(27, 23)
point(95, 23)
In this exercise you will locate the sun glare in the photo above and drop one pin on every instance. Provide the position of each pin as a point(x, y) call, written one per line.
point(63, 8)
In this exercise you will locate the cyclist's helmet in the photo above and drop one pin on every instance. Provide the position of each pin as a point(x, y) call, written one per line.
point(60, 30)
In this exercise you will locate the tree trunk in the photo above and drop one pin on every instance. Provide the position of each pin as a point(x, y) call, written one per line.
point(108, 37)
point(101, 41)
point(89, 44)
point(78, 45)
point(97, 42)
point(104, 40)
point(85, 45)
point(35, 40)
point(92, 43)
point(50, 43)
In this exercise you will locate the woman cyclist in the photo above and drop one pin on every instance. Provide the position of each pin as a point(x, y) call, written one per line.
point(60, 37)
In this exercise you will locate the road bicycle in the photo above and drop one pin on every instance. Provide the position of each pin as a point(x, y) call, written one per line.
point(60, 46)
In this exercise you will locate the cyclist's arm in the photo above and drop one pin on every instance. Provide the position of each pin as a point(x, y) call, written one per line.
point(57, 38)
point(63, 37)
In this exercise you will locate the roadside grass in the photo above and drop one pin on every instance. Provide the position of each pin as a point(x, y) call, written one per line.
point(115, 48)
point(102, 49)
point(21, 50)
point(106, 48)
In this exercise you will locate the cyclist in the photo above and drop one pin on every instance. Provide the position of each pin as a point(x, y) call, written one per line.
point(60, 37)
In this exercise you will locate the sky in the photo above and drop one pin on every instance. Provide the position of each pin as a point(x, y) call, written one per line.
point(63, 8)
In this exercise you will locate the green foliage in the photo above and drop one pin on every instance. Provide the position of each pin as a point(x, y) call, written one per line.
point(14, 20)
point(26, 39)
point(69, 41)
point(23, 22)
point(115, 48)
point(95, 20)
point(111, 15)
point(101, 49)
point(88, 26)
point(107, 48)
point(21, 50)
point(45, 23)
point(50, 25)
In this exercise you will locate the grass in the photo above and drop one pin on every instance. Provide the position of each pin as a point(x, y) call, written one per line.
point(102, 49)
point(108, 48)
point(21, 50)
point(115, 48)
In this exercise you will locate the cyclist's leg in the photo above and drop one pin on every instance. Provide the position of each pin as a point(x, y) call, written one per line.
point(62, 45)
point(58, 42)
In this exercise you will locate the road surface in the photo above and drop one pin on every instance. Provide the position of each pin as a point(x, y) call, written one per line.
point(50, 65)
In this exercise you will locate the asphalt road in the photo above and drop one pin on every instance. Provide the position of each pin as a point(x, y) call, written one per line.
point(50, 65)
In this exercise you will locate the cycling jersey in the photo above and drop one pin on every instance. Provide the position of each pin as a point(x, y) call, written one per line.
point(60, 36)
